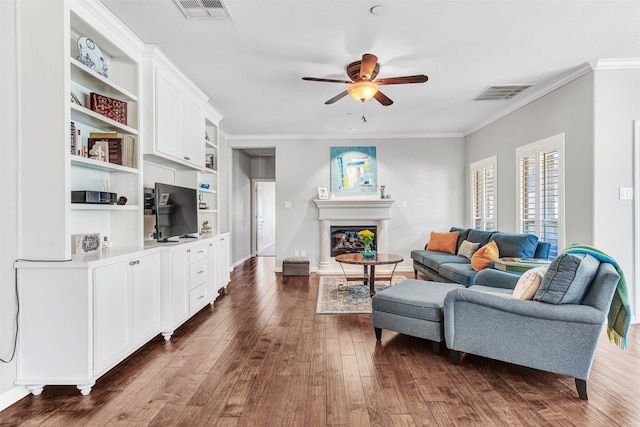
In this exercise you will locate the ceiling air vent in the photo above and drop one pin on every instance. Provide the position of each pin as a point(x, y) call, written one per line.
point(500, 92)
point(203, 9)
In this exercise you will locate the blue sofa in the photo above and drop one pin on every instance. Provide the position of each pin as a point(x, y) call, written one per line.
point(444, 267)
point(558, 331)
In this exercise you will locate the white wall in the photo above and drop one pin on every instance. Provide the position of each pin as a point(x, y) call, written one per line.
point(426, 173)
point(240, 206)
point(568, 109)
point(8, 196)
point(596, 113)
point(263, 167)
point(617, 95)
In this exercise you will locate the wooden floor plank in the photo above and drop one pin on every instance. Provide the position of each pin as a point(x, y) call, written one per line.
point(262, 356)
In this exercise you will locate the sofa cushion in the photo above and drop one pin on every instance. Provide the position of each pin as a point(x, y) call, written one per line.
point(529, 283)
point(479, 236)
point(567, 279)
point(516, 245)
point(443, 242)
point(467, 249)
point(462, 235)
point(459, 273)
point(418, 299)
point(433, 259)
point(485, 256)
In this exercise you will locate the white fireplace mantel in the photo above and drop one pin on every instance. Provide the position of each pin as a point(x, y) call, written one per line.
point(346, 212)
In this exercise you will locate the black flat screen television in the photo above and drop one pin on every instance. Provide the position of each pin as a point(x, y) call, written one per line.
point(176, 211)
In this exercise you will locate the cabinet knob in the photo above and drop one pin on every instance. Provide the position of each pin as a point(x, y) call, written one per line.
point(200, 272)
point(201, 251)
point(188, 250)
point(210, 244)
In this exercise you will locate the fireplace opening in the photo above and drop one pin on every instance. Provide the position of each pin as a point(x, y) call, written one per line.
point(344, 239)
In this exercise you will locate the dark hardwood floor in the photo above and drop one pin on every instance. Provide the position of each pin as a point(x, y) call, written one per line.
point(262, 357)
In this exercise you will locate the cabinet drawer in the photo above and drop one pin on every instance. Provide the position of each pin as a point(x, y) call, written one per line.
point(197, 298)
point(197, 253)
point(198, 273)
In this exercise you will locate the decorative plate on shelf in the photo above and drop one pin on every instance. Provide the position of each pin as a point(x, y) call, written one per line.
point(92, 57)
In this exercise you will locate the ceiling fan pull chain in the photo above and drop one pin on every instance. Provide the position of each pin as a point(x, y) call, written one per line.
point(364, 119)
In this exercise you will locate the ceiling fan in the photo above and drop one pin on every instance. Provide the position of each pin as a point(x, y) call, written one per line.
point(362, 86)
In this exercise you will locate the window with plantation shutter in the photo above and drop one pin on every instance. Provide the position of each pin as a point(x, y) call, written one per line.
point(540, 206)
point(483, 194)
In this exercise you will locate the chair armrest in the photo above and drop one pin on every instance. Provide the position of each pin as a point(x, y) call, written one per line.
point(526, 308)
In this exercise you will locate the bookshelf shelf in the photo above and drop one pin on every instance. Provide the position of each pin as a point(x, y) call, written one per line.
point(204, 190)
point(88, 78)
point(84, 115)
point(97, 207)
point(104, 166)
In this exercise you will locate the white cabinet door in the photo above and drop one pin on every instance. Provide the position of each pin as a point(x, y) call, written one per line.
point(224, 259)
point(179, 286)
point(192, 132)
point(168, 116)
point(112, 316)
point(145, 283)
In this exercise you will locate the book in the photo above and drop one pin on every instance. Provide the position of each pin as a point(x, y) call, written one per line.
point(121, 147)
point(109, 107)
point(112, 146)
point(73, 138)
point(128, 149)
point(106, 135)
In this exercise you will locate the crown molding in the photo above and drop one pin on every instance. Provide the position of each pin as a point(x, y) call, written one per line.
point(562, 80)
point(616, 64)
point(270, 137)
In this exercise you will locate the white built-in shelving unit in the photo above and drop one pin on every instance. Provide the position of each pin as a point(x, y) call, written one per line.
point(102, 306)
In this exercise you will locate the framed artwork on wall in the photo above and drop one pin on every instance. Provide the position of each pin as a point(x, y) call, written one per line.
point(323, 193)
point(354, 170)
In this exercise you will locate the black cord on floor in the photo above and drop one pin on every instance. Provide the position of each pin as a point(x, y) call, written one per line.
point(15, 281)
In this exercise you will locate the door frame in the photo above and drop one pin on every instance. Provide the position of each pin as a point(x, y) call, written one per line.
point(254, 237)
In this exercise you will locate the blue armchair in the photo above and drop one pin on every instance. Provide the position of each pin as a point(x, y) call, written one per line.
point(559, 338)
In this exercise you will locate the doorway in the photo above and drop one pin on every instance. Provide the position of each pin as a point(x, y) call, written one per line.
point(264, 217)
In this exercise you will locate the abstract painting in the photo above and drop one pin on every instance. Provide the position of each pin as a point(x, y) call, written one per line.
point(354, 170)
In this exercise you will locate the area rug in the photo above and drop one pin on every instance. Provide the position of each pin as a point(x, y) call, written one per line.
point(337, 296)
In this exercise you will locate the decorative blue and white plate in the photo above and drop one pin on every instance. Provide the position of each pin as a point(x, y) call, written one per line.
point(92, 57)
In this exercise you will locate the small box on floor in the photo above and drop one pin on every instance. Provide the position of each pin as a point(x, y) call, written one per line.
point(295, 266)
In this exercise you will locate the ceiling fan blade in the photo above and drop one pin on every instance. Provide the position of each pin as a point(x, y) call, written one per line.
point(420, 78)
point(315, 79)
point(337, 97)
point(383, 99)
point(369, 62)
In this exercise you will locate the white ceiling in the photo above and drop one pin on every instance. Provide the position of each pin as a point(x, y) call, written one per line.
point(252, 64)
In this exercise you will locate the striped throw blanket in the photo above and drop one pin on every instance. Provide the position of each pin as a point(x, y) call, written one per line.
point(619, 317)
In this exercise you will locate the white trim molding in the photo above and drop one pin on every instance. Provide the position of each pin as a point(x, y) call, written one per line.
point(636, 221)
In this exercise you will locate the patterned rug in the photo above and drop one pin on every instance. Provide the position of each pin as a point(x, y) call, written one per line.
point(337, 296)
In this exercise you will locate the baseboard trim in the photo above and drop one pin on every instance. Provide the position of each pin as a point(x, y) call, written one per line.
point(12, 396)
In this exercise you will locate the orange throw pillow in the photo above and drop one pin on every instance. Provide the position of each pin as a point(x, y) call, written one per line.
point(485, 256)
point(443, 242)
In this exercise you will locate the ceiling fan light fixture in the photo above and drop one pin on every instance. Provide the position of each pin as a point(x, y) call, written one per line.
point(362, 91)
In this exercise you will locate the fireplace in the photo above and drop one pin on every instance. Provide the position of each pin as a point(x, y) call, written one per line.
point(372, 213)
point(344, 238)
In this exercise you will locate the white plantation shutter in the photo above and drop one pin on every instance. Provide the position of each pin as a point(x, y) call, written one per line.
point(539, 203)
point(549, 198)
point(483, 194)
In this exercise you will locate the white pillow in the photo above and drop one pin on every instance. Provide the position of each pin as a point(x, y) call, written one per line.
point(467, 248)
point(529, 283)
